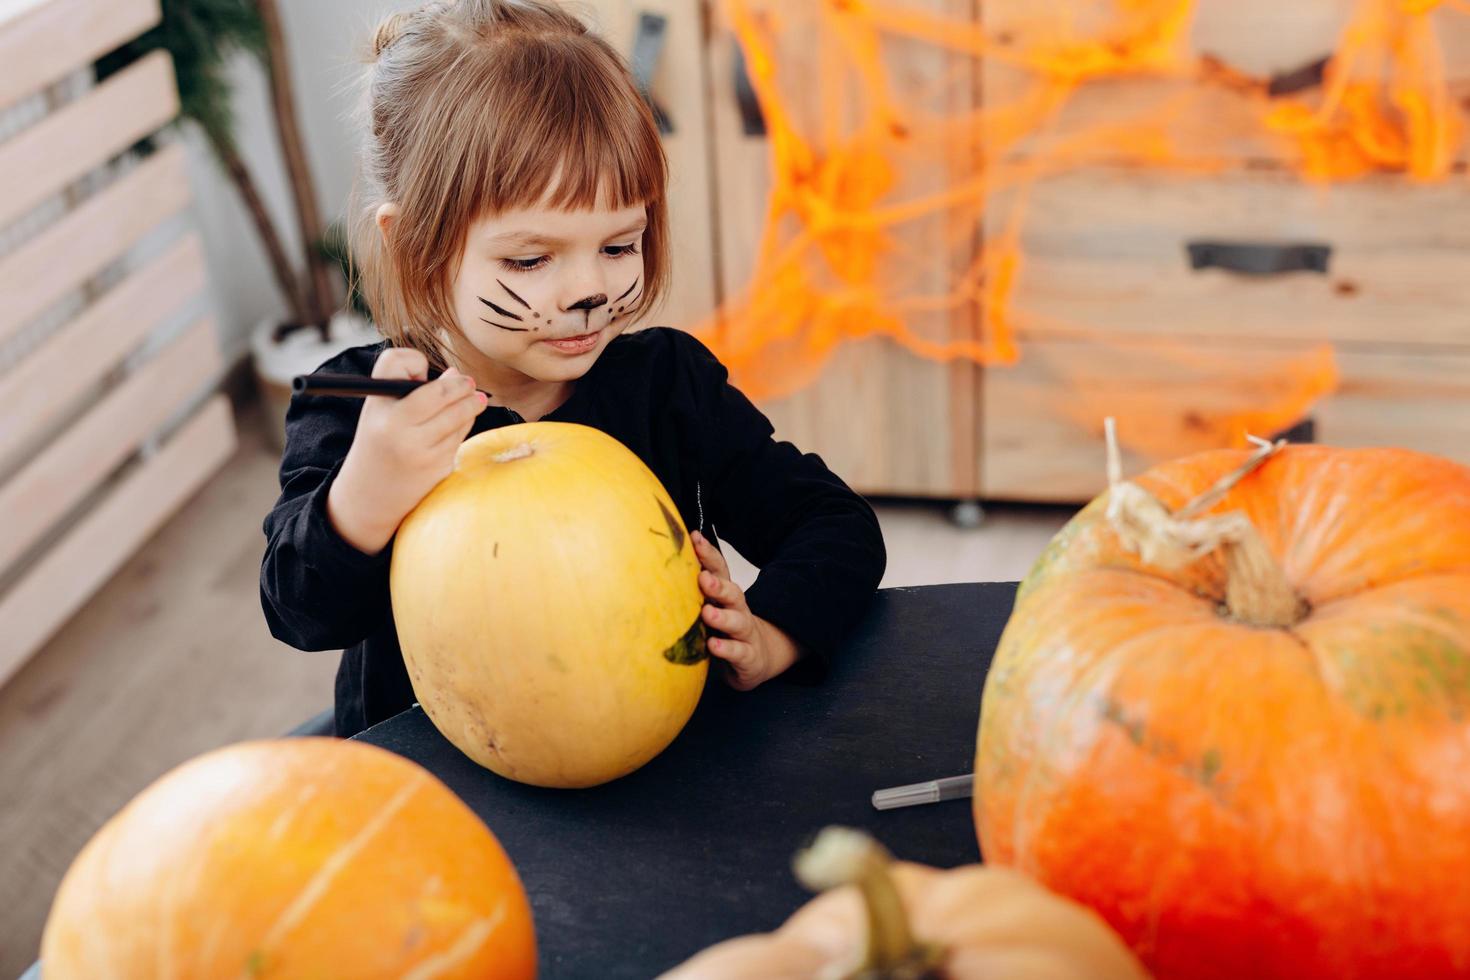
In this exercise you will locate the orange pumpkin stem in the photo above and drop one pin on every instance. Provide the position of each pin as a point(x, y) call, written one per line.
point(843, 856)
point(1257, 590)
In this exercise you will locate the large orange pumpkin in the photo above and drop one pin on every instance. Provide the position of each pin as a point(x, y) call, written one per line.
point(291, 858)
point(1256, 763)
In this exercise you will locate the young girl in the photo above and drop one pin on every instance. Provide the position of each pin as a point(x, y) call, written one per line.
point(515, 228)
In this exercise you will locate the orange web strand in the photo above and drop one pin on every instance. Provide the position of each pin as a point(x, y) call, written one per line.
point(900, 203)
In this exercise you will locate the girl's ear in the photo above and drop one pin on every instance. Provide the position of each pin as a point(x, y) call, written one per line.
point(387, 214)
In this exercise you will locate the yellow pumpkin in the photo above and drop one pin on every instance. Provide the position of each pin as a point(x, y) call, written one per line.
point(547, 600)
point(303, 857)
point(895, 921)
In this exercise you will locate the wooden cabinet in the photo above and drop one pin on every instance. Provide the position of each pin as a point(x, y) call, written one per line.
point(887, 421)
point(673, 44)
point(1109, 309)
point(1115, 317)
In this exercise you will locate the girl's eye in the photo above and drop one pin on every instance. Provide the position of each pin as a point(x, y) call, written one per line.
point(525, 265)
point(618, 251)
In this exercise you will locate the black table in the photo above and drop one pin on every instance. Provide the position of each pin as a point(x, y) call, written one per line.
point(631, 878)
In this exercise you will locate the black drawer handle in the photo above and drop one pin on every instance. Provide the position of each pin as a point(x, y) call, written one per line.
point(1303, 431)
point(752, 121)
point(648, 47)
point(1259, 258)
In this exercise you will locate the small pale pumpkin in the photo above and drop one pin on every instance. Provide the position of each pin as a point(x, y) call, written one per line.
point(548, 605)
point(882, 920)
point(1231, 712)
point(293, 858)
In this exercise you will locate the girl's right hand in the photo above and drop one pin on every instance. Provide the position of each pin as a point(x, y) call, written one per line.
point(403, 447)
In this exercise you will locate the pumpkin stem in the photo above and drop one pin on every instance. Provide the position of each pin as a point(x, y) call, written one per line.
point(842, 856)
point(1256, 587)
point(1257, 590)
point(518, 451)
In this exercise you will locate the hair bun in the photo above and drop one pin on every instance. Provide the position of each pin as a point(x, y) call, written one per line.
point(389, 31)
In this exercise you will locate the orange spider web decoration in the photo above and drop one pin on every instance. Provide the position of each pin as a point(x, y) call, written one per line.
point(899, 199)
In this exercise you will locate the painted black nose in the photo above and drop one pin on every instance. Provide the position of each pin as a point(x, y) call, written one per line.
point(590, 303)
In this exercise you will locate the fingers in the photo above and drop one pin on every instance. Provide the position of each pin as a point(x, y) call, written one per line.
point(721, 590)
point(401, 362)
point(449, 429)
point(454, 418)
point(741, 658)
point(736, 622)
point(709, 555)
point(444, 393)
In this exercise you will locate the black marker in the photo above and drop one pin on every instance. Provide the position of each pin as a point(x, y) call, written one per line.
point(354, 385)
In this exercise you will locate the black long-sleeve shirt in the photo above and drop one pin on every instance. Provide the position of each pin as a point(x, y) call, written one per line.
point(667, 398)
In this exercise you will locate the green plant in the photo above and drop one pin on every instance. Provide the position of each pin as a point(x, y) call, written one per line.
point(201, 36)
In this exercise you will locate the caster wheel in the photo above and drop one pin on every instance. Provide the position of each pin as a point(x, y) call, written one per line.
point(967, 514)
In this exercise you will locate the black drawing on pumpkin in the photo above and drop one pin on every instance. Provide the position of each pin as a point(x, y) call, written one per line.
point(676, 527)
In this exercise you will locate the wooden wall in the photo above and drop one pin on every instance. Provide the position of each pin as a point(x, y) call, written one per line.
point(107, 356)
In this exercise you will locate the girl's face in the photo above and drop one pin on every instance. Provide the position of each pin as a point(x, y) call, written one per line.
point(543, 291)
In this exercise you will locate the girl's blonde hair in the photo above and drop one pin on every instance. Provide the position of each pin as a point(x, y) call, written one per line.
point(475, 107)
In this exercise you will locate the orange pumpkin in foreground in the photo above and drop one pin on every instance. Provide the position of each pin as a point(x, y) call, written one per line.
point(1255, 763)
point(291, 858)
point(898, 921)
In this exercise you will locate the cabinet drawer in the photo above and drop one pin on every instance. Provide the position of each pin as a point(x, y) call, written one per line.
point(1107, 250)
point(1043, 417)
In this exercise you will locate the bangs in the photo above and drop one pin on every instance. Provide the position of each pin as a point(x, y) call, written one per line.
point(564, 127)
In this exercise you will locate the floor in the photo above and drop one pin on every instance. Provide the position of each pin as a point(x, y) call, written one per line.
point(172, 658)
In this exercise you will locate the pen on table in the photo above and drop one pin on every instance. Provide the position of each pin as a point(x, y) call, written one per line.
point(932, 791)
point(353, 385)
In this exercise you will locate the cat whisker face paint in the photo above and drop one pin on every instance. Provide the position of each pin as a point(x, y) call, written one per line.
point(542, 290)
point(504, 313)
point(512, 294)
point(619, 307)
point(586, 306)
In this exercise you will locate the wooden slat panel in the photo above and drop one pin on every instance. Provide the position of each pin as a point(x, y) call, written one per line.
point(88, 238)
point(38, 605)
point(42, 42)
point(679, 87)
point(887, 421)
point(61, 477)
point(79, 354)
point(1105, 252)
point(1044, 416)
point(85, 134)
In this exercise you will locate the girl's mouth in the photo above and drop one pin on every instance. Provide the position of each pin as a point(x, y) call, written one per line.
point(575, 345)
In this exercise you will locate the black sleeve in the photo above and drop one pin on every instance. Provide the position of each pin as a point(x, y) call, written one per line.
point(318, 591)
point(817, 543)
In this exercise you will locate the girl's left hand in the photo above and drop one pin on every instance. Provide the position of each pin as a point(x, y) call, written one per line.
point(753, 649)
